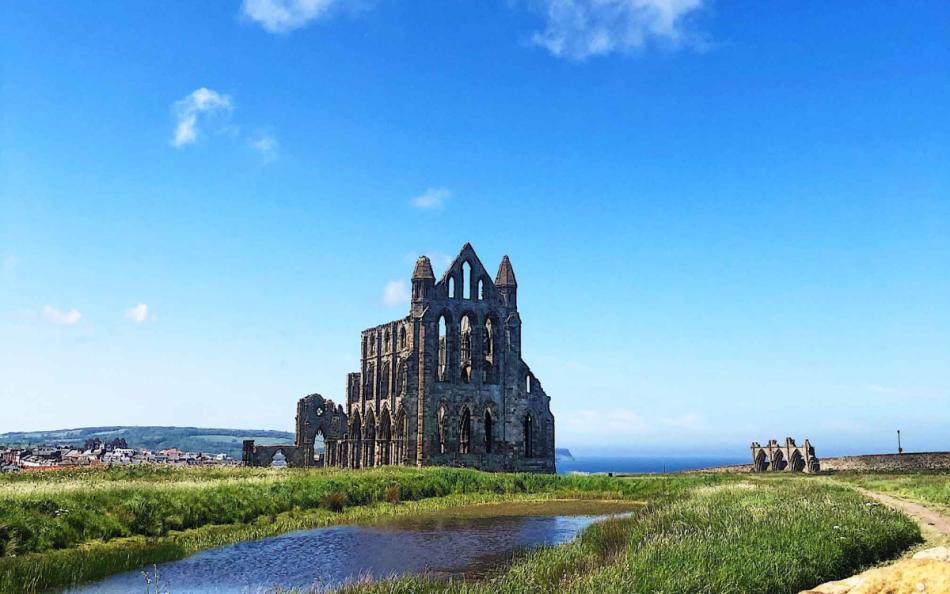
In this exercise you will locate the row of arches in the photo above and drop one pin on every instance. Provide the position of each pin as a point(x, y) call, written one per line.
point(467, 349)
point(391, 341)
point(469, 290)
point(388, 385)
point(368, 443)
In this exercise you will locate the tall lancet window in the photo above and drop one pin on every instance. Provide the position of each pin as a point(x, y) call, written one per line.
point(465, 432)
point(466, 355)
point(443, 349)
point(488, 352)
point(466, 280)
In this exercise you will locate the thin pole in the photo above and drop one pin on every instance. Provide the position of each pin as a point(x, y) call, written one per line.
point(900, 450)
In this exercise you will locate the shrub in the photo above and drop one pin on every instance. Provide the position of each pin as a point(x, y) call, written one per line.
point(333, 501)
point(392, 494)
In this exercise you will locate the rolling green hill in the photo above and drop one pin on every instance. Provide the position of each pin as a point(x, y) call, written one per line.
point(192, 439)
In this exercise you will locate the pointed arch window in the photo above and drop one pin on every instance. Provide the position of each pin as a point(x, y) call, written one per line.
point(465, 432)
point(489, 432)
point(481, 289)
point(442, 429)
point(384, 380)
point(466, 351)
point(443, 349)
point(488, 352)
point(451, 287)
point(466, 280)
point(528, 436)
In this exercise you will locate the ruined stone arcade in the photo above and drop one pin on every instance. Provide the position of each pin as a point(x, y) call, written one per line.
point(446, 385)
point(789, 457)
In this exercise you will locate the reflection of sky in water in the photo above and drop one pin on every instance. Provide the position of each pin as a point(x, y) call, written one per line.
point(330, 556)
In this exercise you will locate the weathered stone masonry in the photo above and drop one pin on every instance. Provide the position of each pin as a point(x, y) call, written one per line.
point(446, 385)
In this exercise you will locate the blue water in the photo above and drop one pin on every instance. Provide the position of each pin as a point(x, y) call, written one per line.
point(635, 464)
point(326, 558)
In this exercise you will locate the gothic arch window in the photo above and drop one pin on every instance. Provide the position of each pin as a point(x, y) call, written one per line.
point(442, 429)
point(402, 337)
point(481, 289)
point(384, 380)
point(402, 378)
point(368, 384)
point(443, 349)
point(451, 287)
point(465, 431)
point(527, 383)
point(356, 430)
point(488, 352)
point(386, 340)
point(489, 432)
point(466, 280)
point(385, 438)
point(528, 436)
point(466, 351)
point(369, 440)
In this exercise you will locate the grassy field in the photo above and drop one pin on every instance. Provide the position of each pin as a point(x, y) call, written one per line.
point(928, 488)
point(760, 536)
point(61, 528)
point(699, 533)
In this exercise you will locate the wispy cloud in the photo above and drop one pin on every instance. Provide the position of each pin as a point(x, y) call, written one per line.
point(200, 104)
point(281, 16)
point(579, 29)
point(266, 146)
point(432, 198)
point(137, 314)
point(396, 293)
point(56, 316)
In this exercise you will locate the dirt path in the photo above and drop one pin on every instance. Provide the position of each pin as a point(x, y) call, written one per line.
point(926, 517)
point(928, 571)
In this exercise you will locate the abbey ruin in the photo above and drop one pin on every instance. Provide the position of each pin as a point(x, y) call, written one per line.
point(789, 457)
point(445, 385)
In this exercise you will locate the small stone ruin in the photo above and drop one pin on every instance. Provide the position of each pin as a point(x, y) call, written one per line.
point(775, 457)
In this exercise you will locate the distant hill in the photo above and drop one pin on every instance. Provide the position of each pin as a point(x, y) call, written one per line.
point(563, 455)
point(192, 439)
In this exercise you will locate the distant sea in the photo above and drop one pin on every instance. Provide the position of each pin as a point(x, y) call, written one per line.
point(630, 464)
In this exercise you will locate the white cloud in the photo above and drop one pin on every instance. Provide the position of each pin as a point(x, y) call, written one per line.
point(431, 198)
point(280, 16)
point(266, 145)
point(137, 314)
point(56, 316)
point(579, 29)
point(396, 293)
point(201, 103)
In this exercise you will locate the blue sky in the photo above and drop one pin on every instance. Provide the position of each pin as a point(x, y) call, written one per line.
point(729, 221)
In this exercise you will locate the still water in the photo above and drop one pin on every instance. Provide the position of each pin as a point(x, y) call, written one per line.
point(465, 542)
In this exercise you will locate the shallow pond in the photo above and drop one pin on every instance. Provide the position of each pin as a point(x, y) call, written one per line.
point(466, 541)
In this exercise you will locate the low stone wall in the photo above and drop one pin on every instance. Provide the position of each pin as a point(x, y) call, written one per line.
point(865, 463)
point(888, 462)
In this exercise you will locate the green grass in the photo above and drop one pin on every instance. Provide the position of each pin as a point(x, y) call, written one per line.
point(697, 533)
point(62, 528)
point(759, 536)
point(928, 488)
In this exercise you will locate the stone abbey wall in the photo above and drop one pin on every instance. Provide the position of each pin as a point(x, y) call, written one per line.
point(446, 385)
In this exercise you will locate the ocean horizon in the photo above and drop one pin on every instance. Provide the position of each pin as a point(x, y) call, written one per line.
point(648, 464)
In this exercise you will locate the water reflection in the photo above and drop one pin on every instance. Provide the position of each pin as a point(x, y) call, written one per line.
point(323, 558)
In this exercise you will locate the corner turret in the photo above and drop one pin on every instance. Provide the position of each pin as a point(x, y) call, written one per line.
point(505, 283)
point(422, 280)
